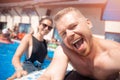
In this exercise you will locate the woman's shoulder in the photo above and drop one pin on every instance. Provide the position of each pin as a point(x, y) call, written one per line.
point(27, 37)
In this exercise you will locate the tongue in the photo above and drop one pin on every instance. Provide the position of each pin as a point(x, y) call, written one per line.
point(79, 43)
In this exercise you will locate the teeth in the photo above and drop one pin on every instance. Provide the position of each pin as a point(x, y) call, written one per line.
point(76, 41)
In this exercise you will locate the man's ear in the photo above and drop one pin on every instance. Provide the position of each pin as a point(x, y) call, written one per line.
point(89, 23)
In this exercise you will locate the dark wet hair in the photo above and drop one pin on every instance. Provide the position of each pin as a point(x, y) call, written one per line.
point(45, 18)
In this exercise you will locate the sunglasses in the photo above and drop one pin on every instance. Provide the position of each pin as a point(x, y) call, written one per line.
point(45, 25)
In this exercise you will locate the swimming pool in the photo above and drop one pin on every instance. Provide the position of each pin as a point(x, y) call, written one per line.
point(6, 53)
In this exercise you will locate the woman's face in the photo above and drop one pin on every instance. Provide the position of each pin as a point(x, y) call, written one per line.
point(45, 27)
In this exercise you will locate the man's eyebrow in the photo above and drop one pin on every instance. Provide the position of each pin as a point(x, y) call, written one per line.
point(62, 30)
point(72, 24)
point(82, 19)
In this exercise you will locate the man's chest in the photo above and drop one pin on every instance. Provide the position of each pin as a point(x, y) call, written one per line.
point(99, 67)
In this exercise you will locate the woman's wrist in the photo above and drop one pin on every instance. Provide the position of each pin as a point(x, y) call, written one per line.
point(18, 68)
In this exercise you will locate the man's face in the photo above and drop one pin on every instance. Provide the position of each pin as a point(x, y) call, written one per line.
point(75, 32)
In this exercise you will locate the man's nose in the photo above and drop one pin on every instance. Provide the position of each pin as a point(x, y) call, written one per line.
point(70, 34)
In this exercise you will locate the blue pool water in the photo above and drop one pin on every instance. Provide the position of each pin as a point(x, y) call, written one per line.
point(6, 53)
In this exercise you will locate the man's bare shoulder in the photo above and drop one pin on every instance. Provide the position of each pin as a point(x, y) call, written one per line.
point(115, 45)
point(114, 52)
point(110, 43)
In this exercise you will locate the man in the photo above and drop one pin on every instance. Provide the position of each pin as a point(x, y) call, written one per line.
point(5, 36)
point(92, 58)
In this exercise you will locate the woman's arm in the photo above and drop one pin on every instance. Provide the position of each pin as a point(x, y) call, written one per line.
point(17, 56)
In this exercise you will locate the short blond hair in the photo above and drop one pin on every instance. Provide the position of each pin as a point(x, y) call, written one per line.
point(65, 11)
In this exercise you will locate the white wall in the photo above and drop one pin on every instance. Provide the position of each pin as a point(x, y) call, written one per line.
point(33, 20)
point(112, 26)
point(3, 18)
point(94, 14)
point(16, 20)
point(9, 21)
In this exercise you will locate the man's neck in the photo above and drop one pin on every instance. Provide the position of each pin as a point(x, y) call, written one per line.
point(95, 48)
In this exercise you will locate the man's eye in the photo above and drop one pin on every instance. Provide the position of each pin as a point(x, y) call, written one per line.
point(73, 26)
point(63, 34)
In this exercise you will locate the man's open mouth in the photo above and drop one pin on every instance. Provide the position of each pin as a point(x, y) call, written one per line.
point(78, 42)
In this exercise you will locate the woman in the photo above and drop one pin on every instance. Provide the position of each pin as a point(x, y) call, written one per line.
point(36, 47)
